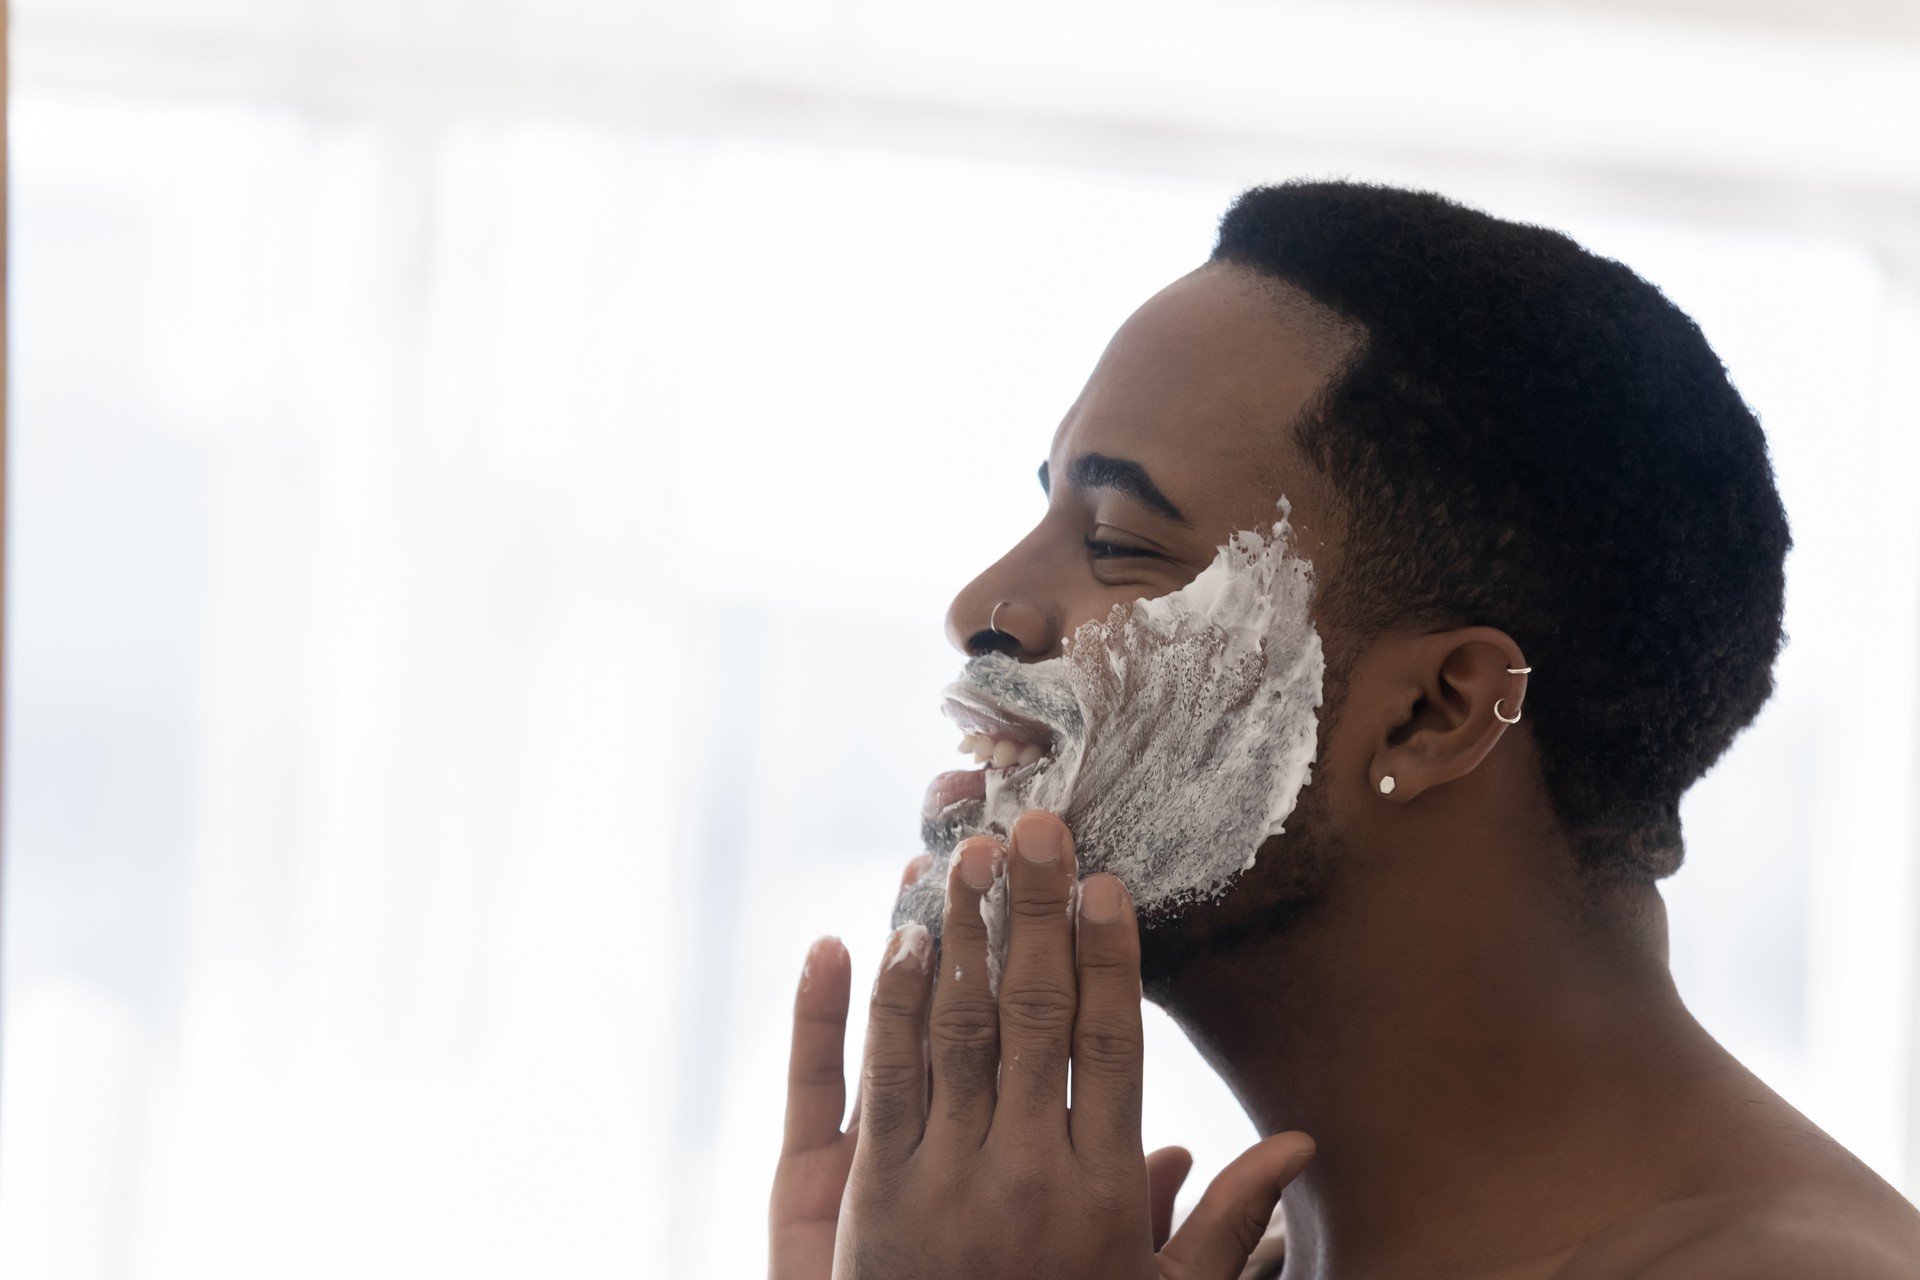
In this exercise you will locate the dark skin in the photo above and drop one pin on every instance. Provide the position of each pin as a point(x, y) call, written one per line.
point(1483, 1040)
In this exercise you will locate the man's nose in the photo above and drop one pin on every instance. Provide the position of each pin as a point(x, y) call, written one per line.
point(983, 621)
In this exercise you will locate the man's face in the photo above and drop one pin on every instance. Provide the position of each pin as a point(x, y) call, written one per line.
point(1178, 442)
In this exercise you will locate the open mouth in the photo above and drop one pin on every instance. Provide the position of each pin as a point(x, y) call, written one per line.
point(1000, 741)
point(994, 736)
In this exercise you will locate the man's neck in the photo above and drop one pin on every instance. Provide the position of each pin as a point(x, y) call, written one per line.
point(1487, 1060)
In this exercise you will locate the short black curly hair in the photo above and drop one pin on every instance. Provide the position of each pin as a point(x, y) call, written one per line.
point(1531, 436)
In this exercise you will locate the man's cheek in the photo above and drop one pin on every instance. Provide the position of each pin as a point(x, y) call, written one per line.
point(1202, 725)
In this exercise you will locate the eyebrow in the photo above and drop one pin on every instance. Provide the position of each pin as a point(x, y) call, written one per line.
point(1098, 471)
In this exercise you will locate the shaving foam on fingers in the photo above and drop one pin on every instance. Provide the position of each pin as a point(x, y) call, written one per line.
point(912, 940)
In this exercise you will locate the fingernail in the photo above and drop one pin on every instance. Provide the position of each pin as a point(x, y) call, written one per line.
point(916, 869)
point(976, 864)
point(1100, 900)
point(1037, 839)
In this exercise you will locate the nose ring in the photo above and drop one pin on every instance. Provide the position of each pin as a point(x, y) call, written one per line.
point(993, 618)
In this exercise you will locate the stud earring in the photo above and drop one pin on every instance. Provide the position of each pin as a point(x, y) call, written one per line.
point(1386, 785)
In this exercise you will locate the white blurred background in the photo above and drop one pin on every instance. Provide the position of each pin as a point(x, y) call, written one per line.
point(486, 479)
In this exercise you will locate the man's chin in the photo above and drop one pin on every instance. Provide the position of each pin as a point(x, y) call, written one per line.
point(1166, 927)
point(925, 900)
point(941, 831)
point(1286, 878)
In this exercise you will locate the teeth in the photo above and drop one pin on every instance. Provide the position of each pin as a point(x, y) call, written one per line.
point(1002, 754)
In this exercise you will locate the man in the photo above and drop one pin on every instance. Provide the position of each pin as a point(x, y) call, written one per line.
point(1524, 483)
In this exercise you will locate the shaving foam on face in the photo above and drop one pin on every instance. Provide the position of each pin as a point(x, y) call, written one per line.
point(1183, 729)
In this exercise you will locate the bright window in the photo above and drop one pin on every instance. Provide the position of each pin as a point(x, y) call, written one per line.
point(478, 561)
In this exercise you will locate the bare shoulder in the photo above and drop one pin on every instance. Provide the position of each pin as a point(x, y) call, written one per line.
point(1845, 1225)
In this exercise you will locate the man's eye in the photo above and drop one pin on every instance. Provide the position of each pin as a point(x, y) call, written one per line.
point(1103, 550)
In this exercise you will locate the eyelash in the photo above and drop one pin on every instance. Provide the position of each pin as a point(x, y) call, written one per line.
point(1103, 550)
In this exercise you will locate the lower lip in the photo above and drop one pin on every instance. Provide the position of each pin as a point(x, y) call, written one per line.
point(952, 788)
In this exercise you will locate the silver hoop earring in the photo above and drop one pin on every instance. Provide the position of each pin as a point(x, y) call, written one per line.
point(1518, 671)
point(993, 618)
point(1502, 719)
point(1386, 785)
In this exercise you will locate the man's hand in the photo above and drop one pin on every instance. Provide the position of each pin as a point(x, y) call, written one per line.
point(973, 1161)
point(816, 1154)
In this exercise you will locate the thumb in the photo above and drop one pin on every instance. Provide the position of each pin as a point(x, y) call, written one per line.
point(1217, 1237)
point(1167, 1171)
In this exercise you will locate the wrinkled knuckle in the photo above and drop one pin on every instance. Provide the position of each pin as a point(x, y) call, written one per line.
point(1040, 1008)
point(1053, 990)
point(962, 1017)
point(1107, 1050)
point(1112, 956)
point(818, 1075)
point(1049, 909)
point(888, 1072)
point(966, 1034)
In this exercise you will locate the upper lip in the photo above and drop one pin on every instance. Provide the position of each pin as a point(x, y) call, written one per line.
point(976, 713)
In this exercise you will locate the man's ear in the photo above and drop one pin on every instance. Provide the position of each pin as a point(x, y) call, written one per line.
point(1451, 695)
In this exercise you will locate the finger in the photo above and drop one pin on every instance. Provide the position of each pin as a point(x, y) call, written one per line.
point(816, 1075)
point(1217, 1237)
point(893, 1088)
point(963, 1030)
point(1037, 986)
point(1107, 1037)
point(803, 1215)
point(1167, 1171)
point(915, 869)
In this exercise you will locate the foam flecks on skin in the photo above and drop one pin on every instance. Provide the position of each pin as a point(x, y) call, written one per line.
point(915, 942)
